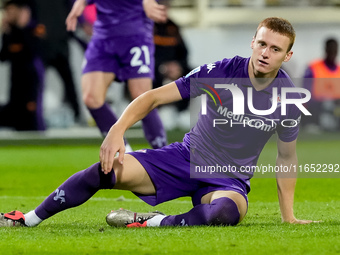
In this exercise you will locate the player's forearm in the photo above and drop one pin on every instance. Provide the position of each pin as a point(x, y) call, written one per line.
point(286, 188)
point(145, 103)
point(136, 111)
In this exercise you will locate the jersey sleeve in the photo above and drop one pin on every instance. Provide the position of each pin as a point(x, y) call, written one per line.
point(289, 127)
point(189, 85)
point(183, 83)
point(308, 79)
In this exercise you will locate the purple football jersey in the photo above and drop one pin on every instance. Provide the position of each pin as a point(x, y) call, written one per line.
point(120, 18)
point(221, 138)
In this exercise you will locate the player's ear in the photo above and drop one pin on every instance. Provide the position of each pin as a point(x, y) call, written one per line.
point(288, 56)
point(252, 43)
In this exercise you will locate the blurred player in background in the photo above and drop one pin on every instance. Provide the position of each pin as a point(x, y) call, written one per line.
point(159, 175)
point(171, 62)
point(55, 45)
point(121, 48)
point(322, 79)
point(21, 46)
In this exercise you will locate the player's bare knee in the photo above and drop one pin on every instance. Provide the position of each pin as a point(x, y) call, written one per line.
point(136, 93)
point(132, 176)
point(91, 101)
point(139, 86)
point(117, 169)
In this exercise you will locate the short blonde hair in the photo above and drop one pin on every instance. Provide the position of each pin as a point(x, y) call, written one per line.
point(281, 26)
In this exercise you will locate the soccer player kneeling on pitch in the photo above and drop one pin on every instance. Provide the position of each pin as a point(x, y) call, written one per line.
point(164, 174)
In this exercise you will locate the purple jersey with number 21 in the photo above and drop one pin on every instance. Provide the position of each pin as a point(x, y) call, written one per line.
point(122, 41)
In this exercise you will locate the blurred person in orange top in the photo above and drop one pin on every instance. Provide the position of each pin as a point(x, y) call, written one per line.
point(322, 79)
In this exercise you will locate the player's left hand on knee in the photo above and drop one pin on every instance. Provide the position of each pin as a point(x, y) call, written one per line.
point(112, 144)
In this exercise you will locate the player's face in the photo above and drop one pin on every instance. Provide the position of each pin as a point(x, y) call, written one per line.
point(269, 51)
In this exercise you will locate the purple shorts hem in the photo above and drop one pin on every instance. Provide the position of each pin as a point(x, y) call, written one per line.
point(196, 199)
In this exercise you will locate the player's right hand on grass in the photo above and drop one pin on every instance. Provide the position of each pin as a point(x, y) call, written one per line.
point(72, 18)
point(296, 221)
point(113, 143)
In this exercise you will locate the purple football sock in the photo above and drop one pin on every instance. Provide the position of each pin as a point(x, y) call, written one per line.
point(76, 190)
point(104, 117)
point(154, 130)
point(222, 211)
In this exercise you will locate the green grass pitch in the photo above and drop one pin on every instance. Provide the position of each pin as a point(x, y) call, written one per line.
point(29, 173)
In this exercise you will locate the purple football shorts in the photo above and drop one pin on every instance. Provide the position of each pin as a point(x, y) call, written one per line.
point(169, 170)
point(127, 57)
